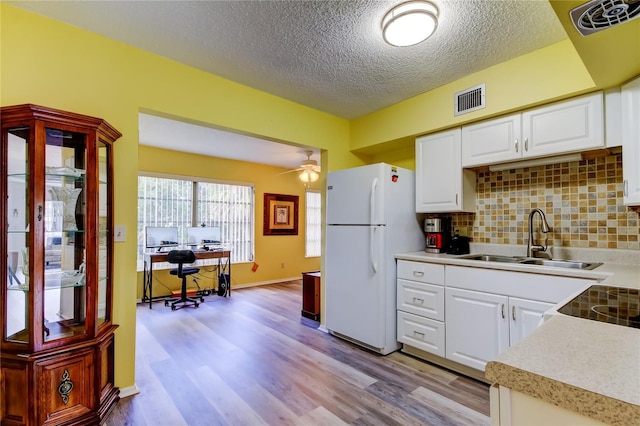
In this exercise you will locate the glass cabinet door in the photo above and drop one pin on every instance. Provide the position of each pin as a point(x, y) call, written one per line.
point(104, 233)
point(64, 234)
point(16, 302)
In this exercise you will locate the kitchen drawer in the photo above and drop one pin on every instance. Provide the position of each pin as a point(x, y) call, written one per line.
point(420, 271)
point(421, 333)
point(422, 299)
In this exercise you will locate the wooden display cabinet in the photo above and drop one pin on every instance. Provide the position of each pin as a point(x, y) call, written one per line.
point(57, 346)
point(311, 295)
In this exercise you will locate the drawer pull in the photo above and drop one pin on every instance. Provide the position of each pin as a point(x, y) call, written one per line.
point(418, 274)
point(418, 300)
point(419, 333)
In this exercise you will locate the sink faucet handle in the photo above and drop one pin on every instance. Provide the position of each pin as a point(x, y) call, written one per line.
point(537, 247)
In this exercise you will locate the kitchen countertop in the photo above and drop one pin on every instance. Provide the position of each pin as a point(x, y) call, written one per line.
point(624, 273)
point(589, 367)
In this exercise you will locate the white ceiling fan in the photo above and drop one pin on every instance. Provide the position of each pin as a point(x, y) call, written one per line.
point(309, 169)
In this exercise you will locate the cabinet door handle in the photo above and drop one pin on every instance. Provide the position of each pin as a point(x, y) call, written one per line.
point(502, 309)
point(516, 145)
point(418, 273)
point(526, 144)
point(40, 213)
point(456, 199)
point(513, 312)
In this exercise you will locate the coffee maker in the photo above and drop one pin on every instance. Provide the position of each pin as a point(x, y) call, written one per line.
point(436, 231)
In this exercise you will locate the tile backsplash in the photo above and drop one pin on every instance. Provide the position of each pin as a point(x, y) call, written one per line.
point(582, 201)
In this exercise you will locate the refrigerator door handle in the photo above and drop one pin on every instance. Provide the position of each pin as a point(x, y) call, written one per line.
point(372, 247)
point(372, 231)
point(372, 201)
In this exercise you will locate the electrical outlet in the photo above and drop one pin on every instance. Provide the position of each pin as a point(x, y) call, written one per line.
point(119, 233)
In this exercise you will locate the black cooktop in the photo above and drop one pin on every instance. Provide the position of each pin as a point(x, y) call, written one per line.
point(614, 305)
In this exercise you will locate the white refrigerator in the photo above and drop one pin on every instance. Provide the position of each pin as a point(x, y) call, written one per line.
point(370, 218)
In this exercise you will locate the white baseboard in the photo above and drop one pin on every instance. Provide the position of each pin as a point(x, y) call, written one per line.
point(129, 391)
point(323, 329)
point(256, 284)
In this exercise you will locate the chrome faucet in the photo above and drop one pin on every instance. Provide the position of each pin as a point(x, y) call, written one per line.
point(532, 247)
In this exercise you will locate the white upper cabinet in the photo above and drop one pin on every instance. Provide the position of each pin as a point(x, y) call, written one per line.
point(493, 141)
point(442, 185)
point(568, 126)
point(631, 142)
point(613, 117)
point(559, 128)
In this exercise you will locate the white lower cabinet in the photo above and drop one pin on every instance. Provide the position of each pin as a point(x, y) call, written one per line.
point(420, 306)
point(422, 299)
point(477, 328)
point(481, 326)
point(471, 315)
point(422, 333)
point(524, 317)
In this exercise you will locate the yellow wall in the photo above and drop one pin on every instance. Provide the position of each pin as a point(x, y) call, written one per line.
point(547, 74)
point(50, 63)
point(271, 250)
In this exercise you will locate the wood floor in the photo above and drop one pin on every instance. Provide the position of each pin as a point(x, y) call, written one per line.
point(251, 359)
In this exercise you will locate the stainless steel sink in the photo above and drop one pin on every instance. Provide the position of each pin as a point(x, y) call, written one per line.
point(493, 258)
point(561, 263)
point(533, 261)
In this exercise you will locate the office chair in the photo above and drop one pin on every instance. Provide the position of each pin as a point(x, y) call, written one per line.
point(180, 257)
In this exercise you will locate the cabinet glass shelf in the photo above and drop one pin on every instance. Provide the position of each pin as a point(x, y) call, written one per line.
point(56, 280)
point(52, 177)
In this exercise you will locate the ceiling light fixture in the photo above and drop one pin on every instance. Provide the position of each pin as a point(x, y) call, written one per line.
point(409, 23)
point(309, 169)
point(308, 176)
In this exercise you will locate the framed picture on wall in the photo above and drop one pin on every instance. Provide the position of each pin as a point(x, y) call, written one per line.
point(280, 214)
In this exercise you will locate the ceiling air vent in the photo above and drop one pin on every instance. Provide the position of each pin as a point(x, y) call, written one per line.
point(469, 100)
point(599, 15)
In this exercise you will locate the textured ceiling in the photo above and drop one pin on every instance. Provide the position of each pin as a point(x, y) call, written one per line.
point(328, 55)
